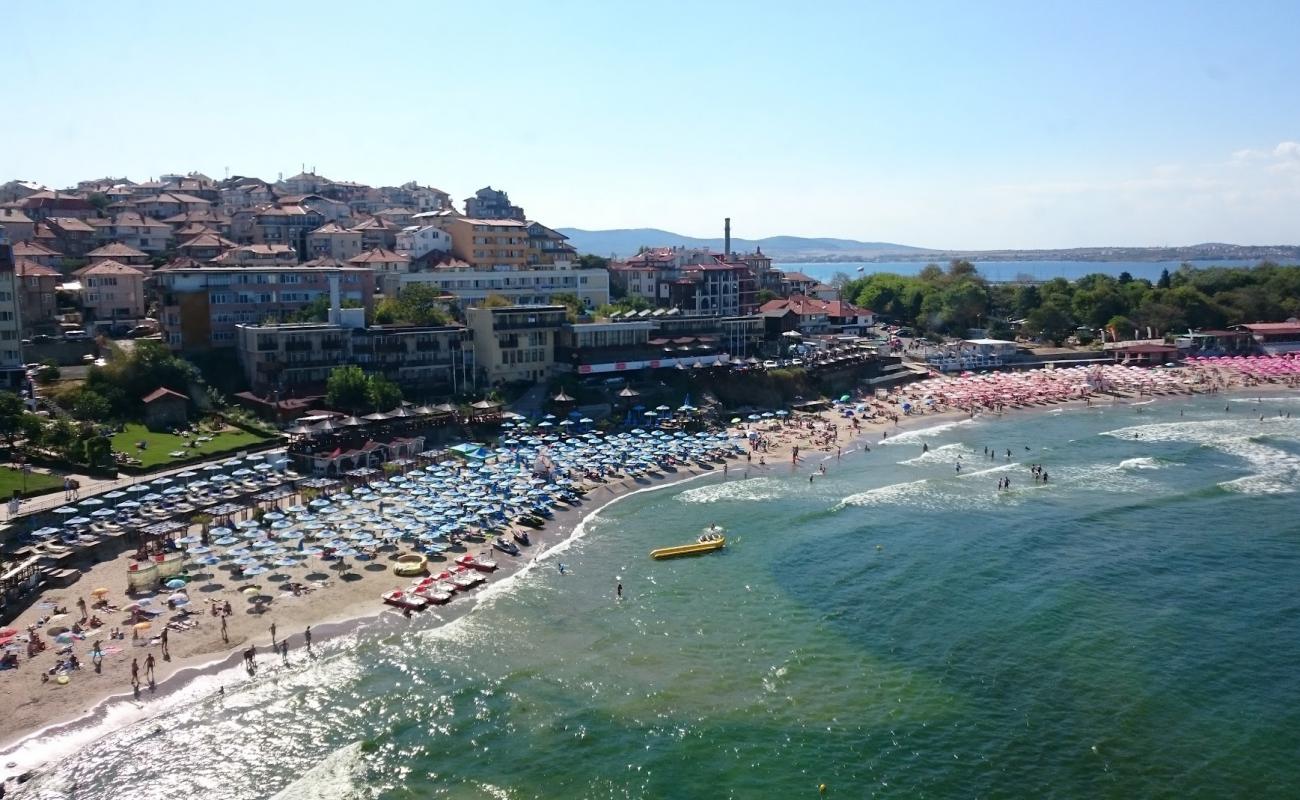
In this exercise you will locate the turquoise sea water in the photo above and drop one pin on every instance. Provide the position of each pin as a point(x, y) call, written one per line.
point(894, 629)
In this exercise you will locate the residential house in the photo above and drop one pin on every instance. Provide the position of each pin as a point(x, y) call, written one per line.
point(37, 302)
point(205, 246)
point(817, 316)
point(201, 306)
point(304, 183)
point(397, 215)
point(547, 246)
point(412, 195)
point(516, 343)
point(121, 253)
point(286, 225)
point(489, 203)
point(112, 291)
point(414, 241)
point(248, 194)
point(208, 218)
point(15, 225)
point(42, 205)
point(39, 253)
point(332, 240)
point(69, 235)
point(136, 230)
point(330, 209)
point(387, 265)
point(14, 191)
point(797, 283)
point(195, 183)
point(258, 255)
point(377, 232)
point(169, 204)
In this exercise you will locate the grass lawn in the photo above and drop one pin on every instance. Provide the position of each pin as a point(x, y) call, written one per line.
point(11, 479)
point(160, 444)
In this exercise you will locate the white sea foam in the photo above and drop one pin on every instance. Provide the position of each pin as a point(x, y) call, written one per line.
point(1142, 462)
point(915, 434)
point(1275, 471)
point(945, 454)
point(340, 776)
point(763, 488)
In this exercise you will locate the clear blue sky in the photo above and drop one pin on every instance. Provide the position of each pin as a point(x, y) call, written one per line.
point(937, 124)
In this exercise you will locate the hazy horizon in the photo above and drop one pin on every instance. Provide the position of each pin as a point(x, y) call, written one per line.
point(953, 127)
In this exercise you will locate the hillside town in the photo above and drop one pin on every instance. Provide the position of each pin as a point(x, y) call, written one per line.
point(297, 276)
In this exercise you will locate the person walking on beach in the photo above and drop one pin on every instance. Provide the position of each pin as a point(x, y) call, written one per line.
point(166, 653)
point(225, 636)
point(273, 634)
point(284, 651)
point(148, 667)
point(135, 672)
point(250, 659)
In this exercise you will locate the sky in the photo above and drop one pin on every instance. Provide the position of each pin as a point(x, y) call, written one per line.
point(947, 125)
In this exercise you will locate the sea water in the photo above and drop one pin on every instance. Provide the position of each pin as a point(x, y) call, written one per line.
point(1004, 271)
point(895, 628)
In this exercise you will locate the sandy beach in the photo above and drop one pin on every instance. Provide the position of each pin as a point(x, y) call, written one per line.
point(339, 603)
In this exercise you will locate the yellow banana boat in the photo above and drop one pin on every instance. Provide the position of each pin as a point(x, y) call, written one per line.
point(707, 543)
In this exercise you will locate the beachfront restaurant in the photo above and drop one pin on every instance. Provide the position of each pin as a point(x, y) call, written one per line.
point(974, 354)
point(1274, 338)
point(1145, 354)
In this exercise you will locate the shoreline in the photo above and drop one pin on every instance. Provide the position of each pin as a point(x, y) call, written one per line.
point(29, 747)
point(187, 671)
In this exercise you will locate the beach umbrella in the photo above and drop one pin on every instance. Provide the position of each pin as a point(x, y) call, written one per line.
point(99, 592)
point(138, 487)
point(175, 583)
point(178, 599)
point(143, 626)
point(90, 501)
point(66, 510)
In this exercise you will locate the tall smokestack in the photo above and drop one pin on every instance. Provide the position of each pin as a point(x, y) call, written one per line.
point(726, 239)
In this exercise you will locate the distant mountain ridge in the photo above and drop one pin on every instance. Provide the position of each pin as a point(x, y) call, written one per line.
point(625, 242)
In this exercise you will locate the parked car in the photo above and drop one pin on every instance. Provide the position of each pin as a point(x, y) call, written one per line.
point(138, 331)
point(770, 364)
point(76, 334)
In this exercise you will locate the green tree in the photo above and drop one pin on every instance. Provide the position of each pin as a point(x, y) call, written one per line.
point(589, 261)
point(348, 389)
point(91, 406)
point(1050, 322)
point(570, 301)
point(98, 451)
point(1165, 280)
point(416, 304)
point(765, 296)
point(33, 428)
point(61, 434)
point(496, 301)
point(11, 412)
point(383, 394)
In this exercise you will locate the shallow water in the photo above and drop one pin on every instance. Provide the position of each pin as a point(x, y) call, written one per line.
point(894, 629)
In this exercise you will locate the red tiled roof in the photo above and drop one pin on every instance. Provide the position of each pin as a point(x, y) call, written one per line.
point(810, 305)
point(1273, 327)
point(378, 255)
point(160, 393)
point(116, 250)
point(34, 250)
point(26, 268)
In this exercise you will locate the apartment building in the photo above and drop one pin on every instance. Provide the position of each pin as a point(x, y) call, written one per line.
point(522, 286)
point(489, 243)
point(547, 247)
point(112, 291)
point(202, 305)
point(414, 241)
point(36, 297)
point(332, 240)
point(11, 358)
point(285, 225)
point(298, 358)
point(515, 343)
point(489, 203)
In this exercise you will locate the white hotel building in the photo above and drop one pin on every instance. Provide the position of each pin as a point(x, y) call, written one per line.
point(520, 285)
